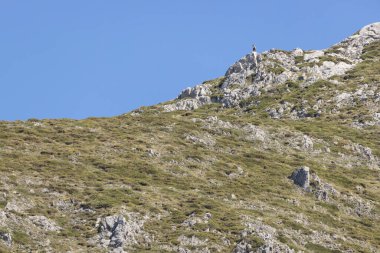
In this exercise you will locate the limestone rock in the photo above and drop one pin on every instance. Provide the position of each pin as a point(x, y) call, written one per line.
point(187, 104)
point(116, 232)
point(195, 92)
point(192, 241)
point(6, 237)
point(255, 133)
point(307, 142)
point(343, 99)
point(297, 52)
point(19, 205)
point(193, 219)
point(266, 233)
point(274, 248)
point(312, 183)
point(206, 139)
point(364, 152)
point(44, 223)
point(281, 109)
point(313, 55)
point(243, 247)
point(257, 72)
point(301, 177)
point(321, 189)
point(191, 99)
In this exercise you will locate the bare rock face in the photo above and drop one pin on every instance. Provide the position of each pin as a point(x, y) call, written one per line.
point(113, 231)
point(301, 177)
point(256, 72)
point(312, 183)
point(321, 189)
point(116, 232)
point(268, 235)
point(313, 55)
point(242, 247)
point(44, 223)
point(6, 237)
point(187, 104)
point(191, 99)
point(274, 248)
point(196, 92)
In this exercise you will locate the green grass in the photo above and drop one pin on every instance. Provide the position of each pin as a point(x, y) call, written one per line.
point(319, 249)
point(103, 164)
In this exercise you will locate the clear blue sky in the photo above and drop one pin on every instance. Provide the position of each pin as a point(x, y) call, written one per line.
point(77, 59)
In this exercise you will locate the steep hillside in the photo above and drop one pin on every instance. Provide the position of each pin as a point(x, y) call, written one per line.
point(279, 155)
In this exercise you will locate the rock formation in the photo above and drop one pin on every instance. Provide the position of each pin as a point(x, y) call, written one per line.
point(301, 177)
point(255, 72)
point(211, 170)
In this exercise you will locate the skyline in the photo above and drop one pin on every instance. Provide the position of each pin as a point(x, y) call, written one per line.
point(91, 59)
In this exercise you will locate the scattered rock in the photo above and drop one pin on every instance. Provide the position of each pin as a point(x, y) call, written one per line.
point(153, 153)
point(312, 183)
point(297, 52)
point(19, 205)
point(191, 99)
point(44, 223)
point(274, 247)
point(365, 152)
point(301, 177)
point(187, 104)
point(193, 219)
point(255, 72)
point(307, 142)
point(313, 55)
point(6, 237)
point(343, 99)
point(116, 232)
point(255, 133)
point(322, 190)
point(206, 140)
point(266, 233)
point(243, 247)
point(192, 241)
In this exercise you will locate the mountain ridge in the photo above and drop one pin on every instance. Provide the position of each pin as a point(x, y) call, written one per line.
point(261, 71)
point(237, 164)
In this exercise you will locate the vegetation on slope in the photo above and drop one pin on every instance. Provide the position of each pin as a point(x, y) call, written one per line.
point(170, 166)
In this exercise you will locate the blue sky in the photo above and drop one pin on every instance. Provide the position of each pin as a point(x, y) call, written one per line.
point(76, 59)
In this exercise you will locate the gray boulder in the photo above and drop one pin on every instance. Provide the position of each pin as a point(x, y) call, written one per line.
point(301, 177)
point(312, 183)
point(44, 223)
point(6, 237)
point(243, 247)
point(112, 230)
point(116, 232)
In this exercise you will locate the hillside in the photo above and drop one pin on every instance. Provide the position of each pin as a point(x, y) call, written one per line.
point(279, 155)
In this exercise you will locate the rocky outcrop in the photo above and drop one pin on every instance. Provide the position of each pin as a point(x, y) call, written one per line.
point(268, 236)
point(6, 238)
point(187, 104)
point(44, 223)
point(301, 177)
point(206, 139)
point(191, 98)
point(321, 189)
point(278, 66)
point(243, 247)
point(312, 183)
point(255, 72)
point(116, 232)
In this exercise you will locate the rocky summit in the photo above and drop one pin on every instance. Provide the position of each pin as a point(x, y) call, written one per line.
point(281, 154)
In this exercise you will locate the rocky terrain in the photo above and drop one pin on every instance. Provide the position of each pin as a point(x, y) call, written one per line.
point(279, 155)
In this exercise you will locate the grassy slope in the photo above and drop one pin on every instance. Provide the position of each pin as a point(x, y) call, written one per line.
point(103, 163)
